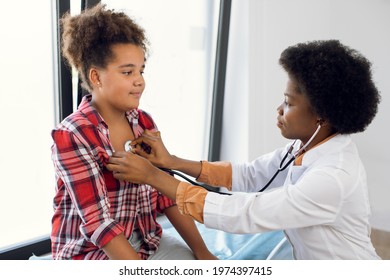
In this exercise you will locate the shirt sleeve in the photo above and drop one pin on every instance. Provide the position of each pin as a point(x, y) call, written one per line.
point(79, 164)
point(253, 176)
point(315, 200)
point(163, 202)
point(217, 173)
point(190, 200)
point(291, 207)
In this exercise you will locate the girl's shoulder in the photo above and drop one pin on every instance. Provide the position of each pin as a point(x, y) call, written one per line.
point(146, 120)
point(75, 122)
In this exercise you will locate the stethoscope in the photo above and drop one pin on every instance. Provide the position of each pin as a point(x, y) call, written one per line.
point(128, 148)
point(282, 165)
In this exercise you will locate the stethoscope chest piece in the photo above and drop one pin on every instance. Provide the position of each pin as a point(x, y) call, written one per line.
point(128, 146)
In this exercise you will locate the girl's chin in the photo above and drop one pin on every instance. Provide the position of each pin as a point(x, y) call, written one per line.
point(133, 105)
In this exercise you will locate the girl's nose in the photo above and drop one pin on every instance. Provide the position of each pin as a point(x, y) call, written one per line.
point(139, 81)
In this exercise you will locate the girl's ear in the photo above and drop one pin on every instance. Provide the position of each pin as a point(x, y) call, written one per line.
point(93, 76)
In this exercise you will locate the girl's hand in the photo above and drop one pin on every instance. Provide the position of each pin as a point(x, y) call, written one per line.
point(159, 154)
point(205, 255)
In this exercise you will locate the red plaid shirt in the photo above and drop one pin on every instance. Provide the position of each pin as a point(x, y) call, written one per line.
point(90, 206)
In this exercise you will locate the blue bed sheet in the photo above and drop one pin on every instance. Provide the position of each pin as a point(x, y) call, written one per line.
point(228, 246)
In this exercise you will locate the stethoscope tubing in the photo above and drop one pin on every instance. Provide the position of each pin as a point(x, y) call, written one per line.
point(128, 148)
point(208, 187)
point(294, 156)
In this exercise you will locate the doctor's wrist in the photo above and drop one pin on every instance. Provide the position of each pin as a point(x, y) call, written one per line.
point(174, 163)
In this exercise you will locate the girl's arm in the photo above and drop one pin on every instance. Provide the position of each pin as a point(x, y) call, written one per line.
point(119, 248)
point(186, 227)
point(86, 186)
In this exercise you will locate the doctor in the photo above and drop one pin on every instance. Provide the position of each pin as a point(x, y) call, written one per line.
point(314, 189)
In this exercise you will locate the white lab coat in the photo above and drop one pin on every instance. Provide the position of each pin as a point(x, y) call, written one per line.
point(322, 205)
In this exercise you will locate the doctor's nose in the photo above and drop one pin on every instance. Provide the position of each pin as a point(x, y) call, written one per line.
point(280, 109)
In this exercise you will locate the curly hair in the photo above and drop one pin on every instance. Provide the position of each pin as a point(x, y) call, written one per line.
point(87, 38)
point(337, 81)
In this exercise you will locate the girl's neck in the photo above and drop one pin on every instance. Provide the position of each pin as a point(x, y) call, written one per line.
point(109, 114)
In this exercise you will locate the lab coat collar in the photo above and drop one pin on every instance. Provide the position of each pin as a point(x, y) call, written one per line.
point(333, 145)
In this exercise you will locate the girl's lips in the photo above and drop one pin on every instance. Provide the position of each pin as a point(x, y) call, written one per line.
point(279, 124)
point(136, 94)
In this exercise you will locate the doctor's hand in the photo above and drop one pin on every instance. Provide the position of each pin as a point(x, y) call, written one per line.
point(136, 169)
point(131, 168)
point(159, 154)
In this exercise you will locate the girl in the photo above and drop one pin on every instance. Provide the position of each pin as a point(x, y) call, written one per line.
point(315, 189)
point(97, 216)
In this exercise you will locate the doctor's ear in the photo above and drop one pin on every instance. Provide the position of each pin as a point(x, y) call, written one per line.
point(321, 122)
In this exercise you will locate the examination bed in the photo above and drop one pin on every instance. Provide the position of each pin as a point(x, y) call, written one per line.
point(226, 246)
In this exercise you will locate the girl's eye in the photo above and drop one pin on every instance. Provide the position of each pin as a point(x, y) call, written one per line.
point(128, 73)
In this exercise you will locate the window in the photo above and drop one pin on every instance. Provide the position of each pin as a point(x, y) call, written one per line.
point(179, 70)
point(27, 116)
point(179, 78)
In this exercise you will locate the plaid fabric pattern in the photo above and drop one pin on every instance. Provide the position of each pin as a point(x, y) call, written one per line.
point(90, 206)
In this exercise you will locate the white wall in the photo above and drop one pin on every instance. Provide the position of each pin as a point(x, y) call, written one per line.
point(260, 31)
